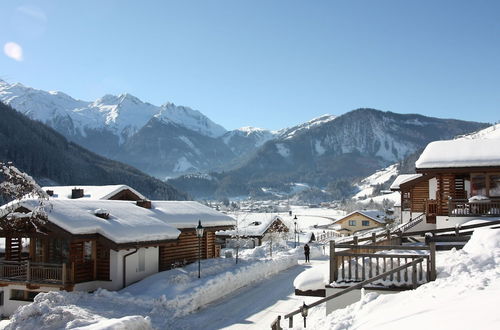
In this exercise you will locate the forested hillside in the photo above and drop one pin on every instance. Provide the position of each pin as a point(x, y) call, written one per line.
point(51, 159)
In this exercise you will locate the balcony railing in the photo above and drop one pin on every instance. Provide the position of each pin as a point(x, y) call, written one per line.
point(31, 272)
point(464, 208)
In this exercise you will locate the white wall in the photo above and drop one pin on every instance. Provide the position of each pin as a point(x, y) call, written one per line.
point(348, 298)
point(405, 216)
point(133, 272)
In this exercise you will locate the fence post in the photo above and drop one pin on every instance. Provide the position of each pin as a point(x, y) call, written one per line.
point(457, 230)
point(28, 271)
point(290, 322)
point(333, 263)
point(64, 274)
point(388, 233)
point(374, 238)
point(276, 324)
point(414, 276)
point(355, 240)
point(432, 246)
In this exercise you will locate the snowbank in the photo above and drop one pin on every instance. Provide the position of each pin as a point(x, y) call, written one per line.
point(155, 301)
point(312, 279)
point(464, 296)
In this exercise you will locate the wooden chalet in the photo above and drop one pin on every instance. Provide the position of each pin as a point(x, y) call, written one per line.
point(85, 244)
point(358, 221)
point(253, 230)
point(456, 181)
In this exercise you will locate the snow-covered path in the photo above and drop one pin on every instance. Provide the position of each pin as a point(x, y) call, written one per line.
point(252, 307)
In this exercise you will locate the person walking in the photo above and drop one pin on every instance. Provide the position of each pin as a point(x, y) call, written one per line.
point(307, 251)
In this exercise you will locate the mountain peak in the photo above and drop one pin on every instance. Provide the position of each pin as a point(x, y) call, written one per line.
point(191, 119)
point(288, 133)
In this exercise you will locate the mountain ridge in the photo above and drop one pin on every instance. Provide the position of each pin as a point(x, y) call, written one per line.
point(53, 160)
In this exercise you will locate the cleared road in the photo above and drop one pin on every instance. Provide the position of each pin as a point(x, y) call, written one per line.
point(252, 307)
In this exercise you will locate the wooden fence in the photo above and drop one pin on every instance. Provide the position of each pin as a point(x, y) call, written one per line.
point(464, 208)
point(31, 272)
point(353, 265)
point(303, 310)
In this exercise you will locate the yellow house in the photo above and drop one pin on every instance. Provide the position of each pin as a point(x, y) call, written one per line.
point(360, 220)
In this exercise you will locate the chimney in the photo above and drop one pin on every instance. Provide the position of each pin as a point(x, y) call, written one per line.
point(102, 213)
point(76, 193)
point(144, 203)
point(50, 192)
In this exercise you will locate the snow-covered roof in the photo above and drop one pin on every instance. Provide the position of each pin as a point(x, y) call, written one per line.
point(402, 178)
point(186, 214)
point(375, 215)
point(127, 222)
point(90, 192)
point(253, 224)
point(460, 153)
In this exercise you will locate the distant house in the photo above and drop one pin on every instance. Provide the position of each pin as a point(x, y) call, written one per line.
point(357, 221)
point(89, 243)
point(109, 192)
point(253, 230)
point(456, 181)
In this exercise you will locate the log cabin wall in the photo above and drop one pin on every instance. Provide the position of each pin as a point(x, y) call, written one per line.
point(102, 262)
point(449, 186)
point(419, 194)
point(185, 250)
point(83, 266)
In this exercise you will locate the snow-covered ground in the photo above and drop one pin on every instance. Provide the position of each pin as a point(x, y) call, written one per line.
point(464, 296)
point(158, 301)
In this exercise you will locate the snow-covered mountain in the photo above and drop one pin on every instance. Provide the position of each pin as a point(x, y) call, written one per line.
point(369, 185)
point(122, 115)
point(164, 141)
point(247, 139)
point(289, 133)
point(492, 132)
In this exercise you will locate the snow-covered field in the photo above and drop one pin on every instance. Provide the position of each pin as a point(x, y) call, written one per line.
point(157, 301)
point(464, 296)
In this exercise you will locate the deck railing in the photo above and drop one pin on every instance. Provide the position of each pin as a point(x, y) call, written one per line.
point(303, 310)
point(410, 224)
point(31, 272)
point(349, 265)
point(464, 208)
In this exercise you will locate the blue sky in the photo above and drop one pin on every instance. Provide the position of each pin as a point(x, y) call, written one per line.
point(263, 63)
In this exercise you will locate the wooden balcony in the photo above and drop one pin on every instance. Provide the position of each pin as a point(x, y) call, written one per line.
point(464, 208)
point(34, 273)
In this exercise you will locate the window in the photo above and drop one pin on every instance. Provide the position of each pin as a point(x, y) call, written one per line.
point(22, 295)
point(87, 251)
point(142, 260)
point(478, 185)
point(365, 223)
point(352, 222)
point(495, 185)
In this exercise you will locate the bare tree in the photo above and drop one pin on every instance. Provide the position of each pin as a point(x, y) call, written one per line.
point(15, 186)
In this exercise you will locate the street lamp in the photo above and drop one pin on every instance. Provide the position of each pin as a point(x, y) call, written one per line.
point(199, 234)
point(304, 311)
point(295, 232)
